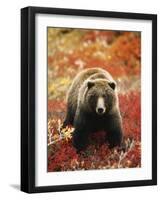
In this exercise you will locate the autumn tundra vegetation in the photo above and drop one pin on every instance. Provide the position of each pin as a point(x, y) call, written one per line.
point(69, 52)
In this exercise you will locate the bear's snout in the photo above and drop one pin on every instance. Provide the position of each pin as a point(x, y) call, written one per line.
point(100, 108)
point(100, 111)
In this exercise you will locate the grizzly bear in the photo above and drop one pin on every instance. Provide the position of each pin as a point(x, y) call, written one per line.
point(92, 106)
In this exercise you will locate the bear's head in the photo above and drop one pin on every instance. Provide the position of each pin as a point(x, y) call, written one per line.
point(100, 96)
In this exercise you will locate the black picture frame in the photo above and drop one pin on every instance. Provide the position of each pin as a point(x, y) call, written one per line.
point(28, 98)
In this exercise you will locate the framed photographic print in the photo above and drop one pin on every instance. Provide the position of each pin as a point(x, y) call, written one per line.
point(88, 99)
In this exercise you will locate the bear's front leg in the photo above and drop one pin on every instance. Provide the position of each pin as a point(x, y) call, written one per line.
point(80, 139)
point(114, 133)
point(81, 132)
point(114, 138)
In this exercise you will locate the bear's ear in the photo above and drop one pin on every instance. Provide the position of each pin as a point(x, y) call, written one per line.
point(112, 85)
point(90, 84)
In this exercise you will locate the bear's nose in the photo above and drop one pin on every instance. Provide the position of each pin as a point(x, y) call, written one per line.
point(100, 110)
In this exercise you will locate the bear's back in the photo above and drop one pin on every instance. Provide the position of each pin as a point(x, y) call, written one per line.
point(90, 73)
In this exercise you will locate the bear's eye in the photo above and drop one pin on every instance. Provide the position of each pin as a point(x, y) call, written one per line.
point(112, 85)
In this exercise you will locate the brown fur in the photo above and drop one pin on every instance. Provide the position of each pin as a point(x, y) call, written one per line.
point(81, 103)
point(79, 83)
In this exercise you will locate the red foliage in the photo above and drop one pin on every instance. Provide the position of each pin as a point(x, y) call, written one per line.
point(125, 52)
point(55, 105)
point(121, 58)
point(63, 156)
point(108, 36)
point(133, 157)
point(131, 114)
